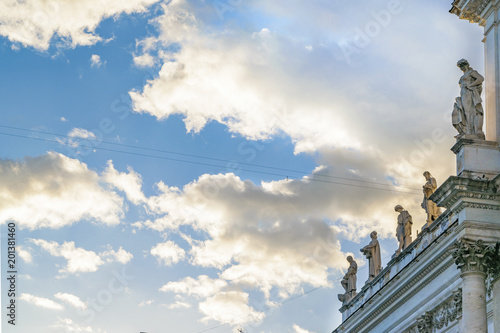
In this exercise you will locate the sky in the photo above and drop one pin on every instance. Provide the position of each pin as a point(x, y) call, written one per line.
point(207, 165)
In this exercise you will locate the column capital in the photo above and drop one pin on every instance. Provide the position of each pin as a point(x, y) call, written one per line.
point(472, 255)
point(470, 10)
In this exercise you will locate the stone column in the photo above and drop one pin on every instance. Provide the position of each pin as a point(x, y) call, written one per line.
point(494, 272)
point(471, 257)
point(495, 295)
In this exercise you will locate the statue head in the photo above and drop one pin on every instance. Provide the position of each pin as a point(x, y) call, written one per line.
point(350, 259)
point(463, 64)
point(427, 175)
point(373, 235)
point(399, 208)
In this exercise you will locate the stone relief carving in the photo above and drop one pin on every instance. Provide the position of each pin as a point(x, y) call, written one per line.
point(430, 207)
point(424, 323)
point(441, 316)
point(403, 230)
point(349, 281)
point(372, 253)
point(468, 114)
point(448, 312)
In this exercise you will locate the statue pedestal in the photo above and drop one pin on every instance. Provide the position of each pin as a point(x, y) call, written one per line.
point(477, 159)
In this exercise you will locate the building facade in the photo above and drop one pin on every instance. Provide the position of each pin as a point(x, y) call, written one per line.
point(448, 278)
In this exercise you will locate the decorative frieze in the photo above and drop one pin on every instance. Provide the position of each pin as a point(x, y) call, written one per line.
point(441, 316)
point(425, 322)
point(449, 312)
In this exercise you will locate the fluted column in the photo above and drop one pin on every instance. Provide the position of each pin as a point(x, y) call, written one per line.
point(471, 258)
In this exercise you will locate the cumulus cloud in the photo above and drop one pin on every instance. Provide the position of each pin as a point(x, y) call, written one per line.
point(72, 300)
point(95, 61)
point(121, 255)
point(130, 182)
point(68, 325)
point(258, 236)
point(144, 303)
point(53, 191)
point(179, 305)
point(41, 302)
point(168, 253)
point(38, 23)
point(24, 254)
point(230, 308)
point(317, 97)
point(202, 286)
point(298, 329)
point(81, 133)
point(78, 259)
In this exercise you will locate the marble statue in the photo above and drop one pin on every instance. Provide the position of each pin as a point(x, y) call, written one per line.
point(468, 114)
point(430, 207)
point(403, 231)
point(372, 253)
point(349, 281)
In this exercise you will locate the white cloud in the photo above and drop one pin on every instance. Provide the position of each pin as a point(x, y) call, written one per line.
point(298, 329)
point(24, 254)
point(179, 305)
point(144, 60)
point(294, 78)
point(78, 259)
point(168, 253)
point(52, 191)
point(68, 325)
point(130, 182)
point(257, 236)
point(81, 133)
point(230, 308)
point(38, 23)
point(72, 300)
point(203, 286)
point(41, 302)
point(63, 119)
point(95, 61)
point(121, 255)
point(144, 303)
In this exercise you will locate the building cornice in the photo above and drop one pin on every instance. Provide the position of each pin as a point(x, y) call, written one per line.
point(456, 188)
point(471, 10)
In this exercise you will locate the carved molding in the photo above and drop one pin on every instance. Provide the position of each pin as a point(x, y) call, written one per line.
point(471, 11)
point(464, 204)
point(441, 316)
point(472, 255)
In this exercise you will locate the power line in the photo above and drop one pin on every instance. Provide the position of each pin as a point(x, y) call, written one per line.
point(216, 165)
point(207, 158)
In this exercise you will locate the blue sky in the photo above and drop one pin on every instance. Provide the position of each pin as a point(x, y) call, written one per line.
point(206, 166)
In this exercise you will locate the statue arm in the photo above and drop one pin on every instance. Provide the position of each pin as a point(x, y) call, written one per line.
point(478, 79)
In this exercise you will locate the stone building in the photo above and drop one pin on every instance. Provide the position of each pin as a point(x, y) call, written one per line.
point(448, 278)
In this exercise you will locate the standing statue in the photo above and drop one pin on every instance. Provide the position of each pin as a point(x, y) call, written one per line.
point(349, 281)
point(403, 231)
point(372, 253)
point(430, 207)
point(468, 114)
